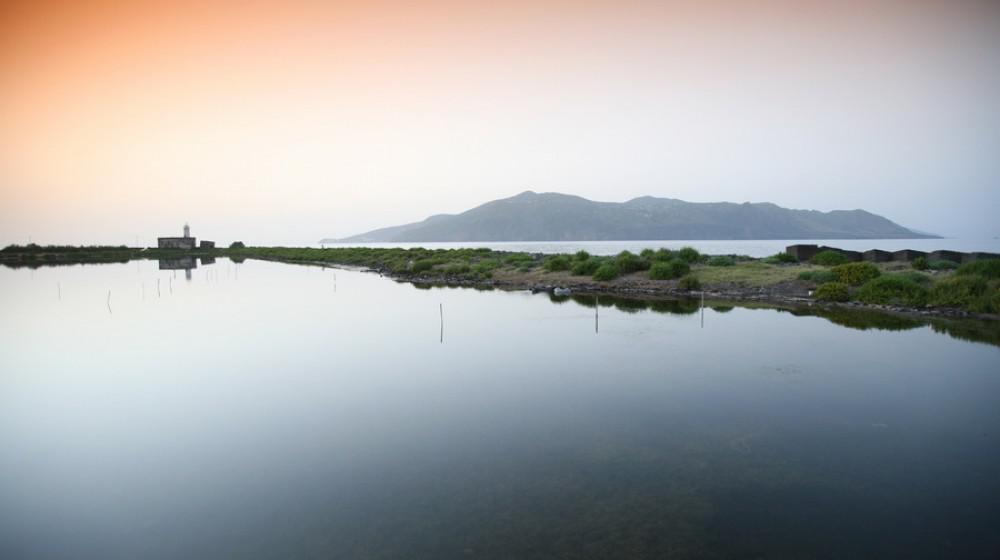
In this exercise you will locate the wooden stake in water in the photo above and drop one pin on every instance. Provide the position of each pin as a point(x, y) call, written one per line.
point(702, 309)
point(597, 306)
point(441, 311)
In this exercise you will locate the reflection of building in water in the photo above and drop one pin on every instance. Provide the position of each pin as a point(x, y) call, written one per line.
point(185, 242)
point(180, 263)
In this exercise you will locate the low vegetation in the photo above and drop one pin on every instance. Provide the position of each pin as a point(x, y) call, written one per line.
point(856, 273)
point(606, 272)
point(688, 284)
point(973, 287)
point(833, 291)
point(669, 270)
point(893, 289)
point(828, 258)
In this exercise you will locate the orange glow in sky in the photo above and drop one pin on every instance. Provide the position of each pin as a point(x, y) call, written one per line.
point(285, 122)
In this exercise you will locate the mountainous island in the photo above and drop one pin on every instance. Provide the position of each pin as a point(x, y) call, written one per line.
point(532, 216)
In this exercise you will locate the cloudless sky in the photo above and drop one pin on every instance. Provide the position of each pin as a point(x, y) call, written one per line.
point(285, 122)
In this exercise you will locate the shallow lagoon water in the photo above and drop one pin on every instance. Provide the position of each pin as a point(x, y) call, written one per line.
point(264, 410)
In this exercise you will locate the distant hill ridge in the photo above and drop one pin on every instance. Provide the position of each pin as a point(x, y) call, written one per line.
point(532, 216)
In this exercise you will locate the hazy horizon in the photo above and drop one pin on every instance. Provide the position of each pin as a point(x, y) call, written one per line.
point(284, 123)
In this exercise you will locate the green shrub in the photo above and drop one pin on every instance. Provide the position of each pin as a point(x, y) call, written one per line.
point(781, 258)
point(689, 255)
point(828, 258)
point(920, 263)
point(893, 289)
point(607, 271)
point(557, 263)
point(721, 260)
point(581, 255)
point(972, 293)
point(457, 268)
point(648, 254)
point(688, 283)
point(942, 265)
point(422, 265)
point(484, 269)
point(628, 262)
point(237, 245)
point(818, 276)
point(914, 276)
point(669, 270)
point(987, 269)
point(855, 274)
point(957, 291)
point(585, 268)
point(663, 255)
point(519, 259)
point(833, 291)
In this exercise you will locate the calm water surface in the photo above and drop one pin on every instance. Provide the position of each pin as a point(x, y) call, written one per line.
point(264, 410)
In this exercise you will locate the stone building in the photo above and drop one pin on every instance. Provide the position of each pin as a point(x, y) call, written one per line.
point(185, 242)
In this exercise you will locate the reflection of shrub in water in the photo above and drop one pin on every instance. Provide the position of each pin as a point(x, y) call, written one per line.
point(866, 319)
point(972, 330)
point(676, 306)
point(722, 308)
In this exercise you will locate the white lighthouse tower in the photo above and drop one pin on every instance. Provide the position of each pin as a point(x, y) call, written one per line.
point(187, 230)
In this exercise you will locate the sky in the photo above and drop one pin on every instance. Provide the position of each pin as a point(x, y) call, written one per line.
point(286, 122)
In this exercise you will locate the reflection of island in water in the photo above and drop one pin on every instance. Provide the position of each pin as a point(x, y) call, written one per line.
point(187, 264)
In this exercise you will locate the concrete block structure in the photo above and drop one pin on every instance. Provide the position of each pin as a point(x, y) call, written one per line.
point(907, 255)
point(853, 256)
point(802, 252)
point(206, 245)
point(877, 255)
point(979, 256)
point(953, 256)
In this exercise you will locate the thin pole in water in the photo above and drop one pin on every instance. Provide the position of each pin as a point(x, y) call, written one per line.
point(59, 290)
point(597, 306)
point(109, 301)
point(703, 309)
point(441, 311)
point(158, 288)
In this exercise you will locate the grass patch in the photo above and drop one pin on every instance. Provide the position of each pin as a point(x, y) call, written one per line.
point(818, 276)
point(781, 258)
point(989, 269)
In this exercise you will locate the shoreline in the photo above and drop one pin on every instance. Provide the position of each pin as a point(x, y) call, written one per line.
point(740, 280)
point(787, 295)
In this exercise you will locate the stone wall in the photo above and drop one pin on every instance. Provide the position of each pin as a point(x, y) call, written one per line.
point(805, 252)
